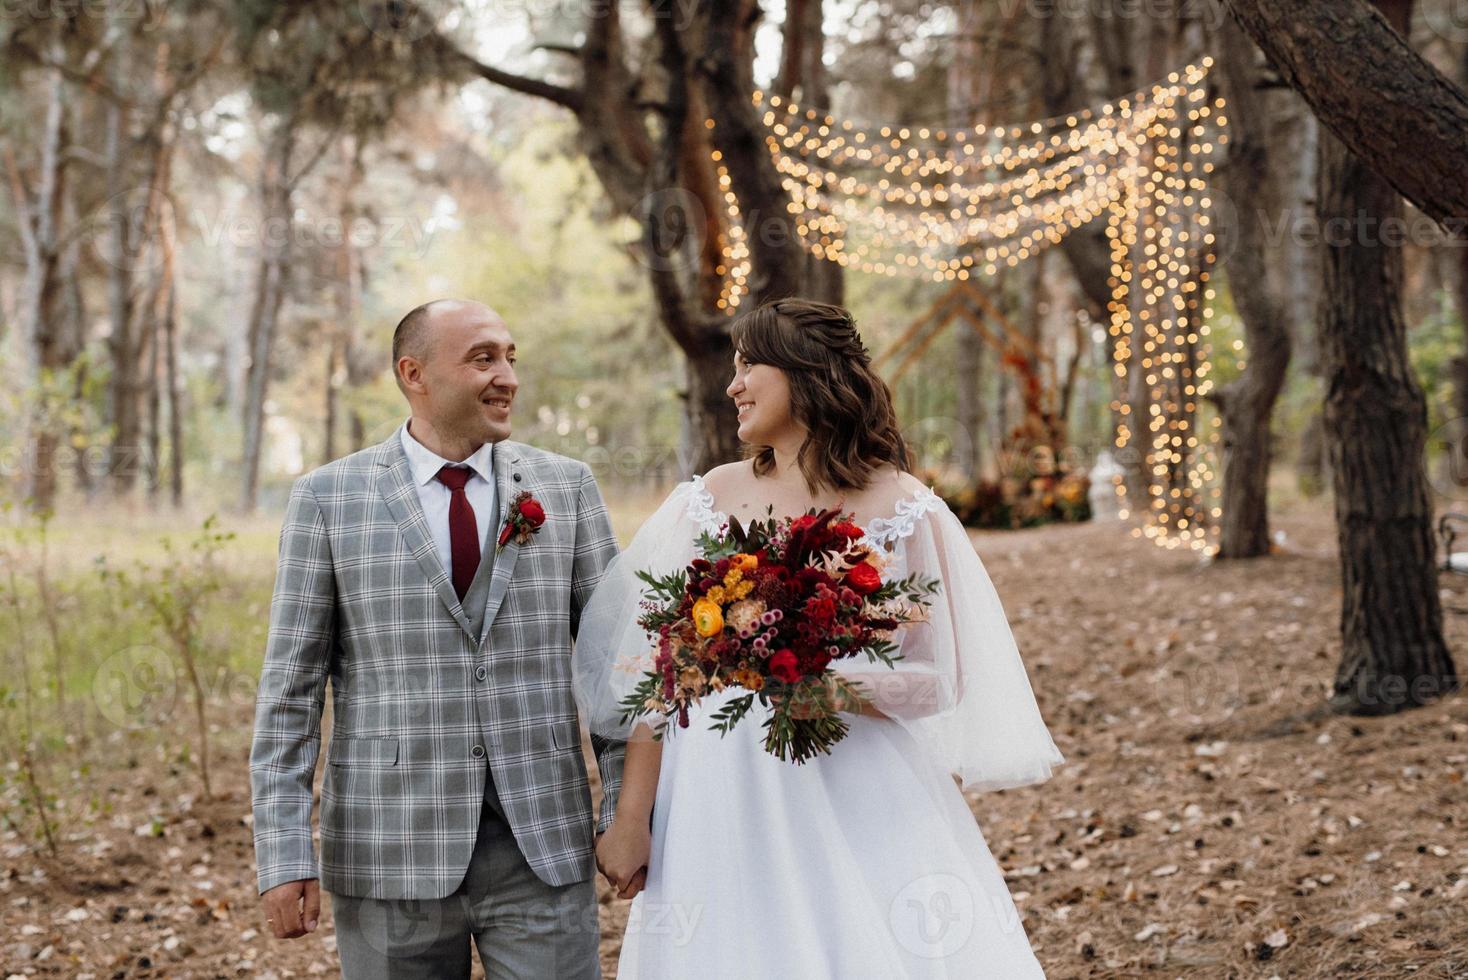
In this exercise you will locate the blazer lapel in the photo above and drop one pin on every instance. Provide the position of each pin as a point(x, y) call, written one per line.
point(395, 483)
point(510, 478)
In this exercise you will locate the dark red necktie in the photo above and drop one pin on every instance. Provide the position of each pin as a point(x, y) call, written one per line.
point(463, 531)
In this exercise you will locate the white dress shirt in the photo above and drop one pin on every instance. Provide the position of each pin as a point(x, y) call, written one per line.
point(435, 496)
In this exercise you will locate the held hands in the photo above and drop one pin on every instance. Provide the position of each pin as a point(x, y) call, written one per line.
point(622, 854)
point(283, 908)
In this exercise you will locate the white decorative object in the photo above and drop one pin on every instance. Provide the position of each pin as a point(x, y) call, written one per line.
point(1104, 505)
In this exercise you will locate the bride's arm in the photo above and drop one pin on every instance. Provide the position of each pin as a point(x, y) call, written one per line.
point(639, 777)
point(919, 684)
point(622, 852)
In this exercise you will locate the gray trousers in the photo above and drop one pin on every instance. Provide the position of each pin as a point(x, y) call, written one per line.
point(523, 928)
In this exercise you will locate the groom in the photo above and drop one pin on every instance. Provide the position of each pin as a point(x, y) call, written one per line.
point(437, 580)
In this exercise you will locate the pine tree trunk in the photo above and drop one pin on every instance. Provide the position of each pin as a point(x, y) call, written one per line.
point(124, 231)
point(1393, 654)
point(175, 398)
point(1247, 405)
point(270, 289)
point(42, 329)
point(331, 387)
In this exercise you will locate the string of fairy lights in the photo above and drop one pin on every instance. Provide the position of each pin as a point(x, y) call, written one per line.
point(951, 203)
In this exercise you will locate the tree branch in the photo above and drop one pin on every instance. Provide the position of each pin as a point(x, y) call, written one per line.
point(1366, 84)
point(559, 94)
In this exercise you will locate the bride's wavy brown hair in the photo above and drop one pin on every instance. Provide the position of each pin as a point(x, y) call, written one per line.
point(845, 406)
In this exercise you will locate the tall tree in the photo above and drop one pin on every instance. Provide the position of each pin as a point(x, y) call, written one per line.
point(656, 167)
point(152, 66)
point(49, 338)
point(803, 77)
point(316, 71)
point(280, 173)
point(1353, 64)
point(1246, 405)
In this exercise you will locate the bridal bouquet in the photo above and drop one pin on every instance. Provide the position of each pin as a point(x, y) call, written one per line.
point(768, 609)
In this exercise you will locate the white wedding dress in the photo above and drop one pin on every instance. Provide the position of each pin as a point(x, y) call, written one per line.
point(865, 863)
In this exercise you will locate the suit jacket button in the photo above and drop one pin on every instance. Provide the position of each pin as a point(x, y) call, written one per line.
point(478, 752)
point(480, 672)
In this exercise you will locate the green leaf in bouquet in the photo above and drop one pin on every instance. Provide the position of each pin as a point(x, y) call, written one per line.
point(635, 704)
point(730, 714)
point(882, 651)
point(713, 547)
point(668, 586)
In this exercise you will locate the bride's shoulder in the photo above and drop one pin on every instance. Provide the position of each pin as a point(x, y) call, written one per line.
point(888, 485)
point(724, 477)
point(910, 485)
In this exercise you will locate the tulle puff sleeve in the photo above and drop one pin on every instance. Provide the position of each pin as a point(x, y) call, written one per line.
point(612, 652)
point(960, 688)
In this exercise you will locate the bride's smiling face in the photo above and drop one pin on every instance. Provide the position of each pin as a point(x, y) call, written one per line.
point(761, 394)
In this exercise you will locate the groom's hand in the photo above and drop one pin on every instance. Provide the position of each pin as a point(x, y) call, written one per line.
point(283, 908)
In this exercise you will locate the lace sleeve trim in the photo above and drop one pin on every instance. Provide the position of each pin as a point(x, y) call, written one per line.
point(881, 531)
point(701, 507)
point(884, 531)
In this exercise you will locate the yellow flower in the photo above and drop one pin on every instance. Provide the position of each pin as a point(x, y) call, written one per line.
point(732, 578)
point(743, 589)
point(716, 594)
point(744, 562)
point(708, 618)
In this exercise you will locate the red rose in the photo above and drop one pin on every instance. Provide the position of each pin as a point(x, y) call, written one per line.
point(848, 530)
point(533, 513)
point(864, 579)
point(783, 666)
point(803, 523)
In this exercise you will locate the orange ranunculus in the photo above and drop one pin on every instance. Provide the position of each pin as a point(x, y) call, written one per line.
point(745, 562)
point(708, 618)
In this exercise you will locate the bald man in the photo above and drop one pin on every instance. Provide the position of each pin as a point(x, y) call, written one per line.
point(455, 804)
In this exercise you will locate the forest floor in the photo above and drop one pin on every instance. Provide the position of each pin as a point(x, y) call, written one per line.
point(1205, 824)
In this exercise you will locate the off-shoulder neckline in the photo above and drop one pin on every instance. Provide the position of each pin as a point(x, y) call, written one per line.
point(881, 531)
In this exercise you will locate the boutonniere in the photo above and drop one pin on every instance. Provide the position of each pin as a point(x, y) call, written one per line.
point(523, 519)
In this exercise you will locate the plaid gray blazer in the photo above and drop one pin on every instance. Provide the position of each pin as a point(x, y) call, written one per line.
point(362, 599)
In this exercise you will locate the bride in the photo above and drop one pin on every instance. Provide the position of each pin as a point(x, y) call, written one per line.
point(866, 862)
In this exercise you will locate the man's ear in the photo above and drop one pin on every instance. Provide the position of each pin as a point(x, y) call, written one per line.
point(410, 373)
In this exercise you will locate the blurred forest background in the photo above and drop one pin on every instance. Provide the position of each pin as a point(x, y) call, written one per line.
point(213, 214)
